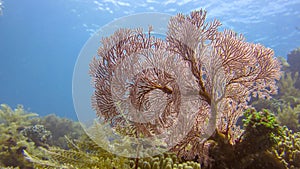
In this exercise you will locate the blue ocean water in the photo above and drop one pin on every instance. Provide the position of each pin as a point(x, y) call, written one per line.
point(41, 39)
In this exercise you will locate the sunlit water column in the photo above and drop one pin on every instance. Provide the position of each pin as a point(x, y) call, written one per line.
point(1, 7)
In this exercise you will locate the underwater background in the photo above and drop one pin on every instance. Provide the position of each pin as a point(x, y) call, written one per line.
point(41, 39)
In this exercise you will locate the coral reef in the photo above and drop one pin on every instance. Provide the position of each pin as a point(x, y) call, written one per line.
point(286, 104)
point(263, 144)
point(38, 134)
point(274, 105)
point(217, 61)
point(293, 59)
point(165, 161)
point(289, 117)
point(84, 153)
point(78, 159)
point(252, 149)
point(21, 133)
point(12, 141)
point(287, 89)
point(59, 128)
point(288, 149)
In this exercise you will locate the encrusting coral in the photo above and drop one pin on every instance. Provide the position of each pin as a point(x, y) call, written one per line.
point(288, 149)
point(165, 161)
